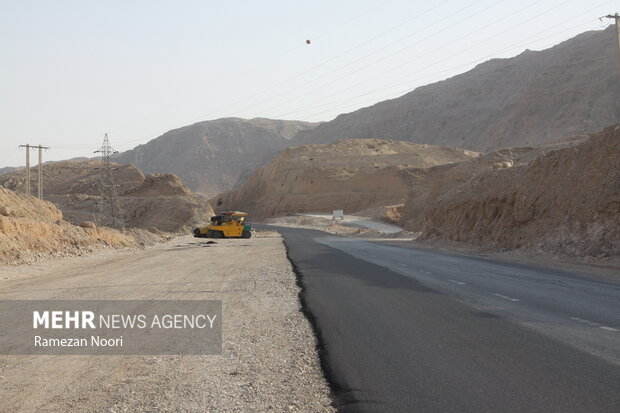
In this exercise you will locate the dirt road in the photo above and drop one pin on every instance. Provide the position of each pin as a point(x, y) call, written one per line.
point(268, 361)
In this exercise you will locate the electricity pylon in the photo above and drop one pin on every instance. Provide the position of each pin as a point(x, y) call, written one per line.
point(110, 212)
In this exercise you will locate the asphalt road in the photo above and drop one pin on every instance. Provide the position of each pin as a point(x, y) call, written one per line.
point(412, 330)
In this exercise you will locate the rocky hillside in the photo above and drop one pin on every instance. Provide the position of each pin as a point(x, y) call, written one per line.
point(560, 199)
point(155, 202)
point(352, 174)
point(213, 156)
point(533, 98)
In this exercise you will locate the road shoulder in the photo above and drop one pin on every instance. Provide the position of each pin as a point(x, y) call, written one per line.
point(269, 360)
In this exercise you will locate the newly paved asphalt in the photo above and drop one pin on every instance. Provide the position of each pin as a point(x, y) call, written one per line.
point(410, 330)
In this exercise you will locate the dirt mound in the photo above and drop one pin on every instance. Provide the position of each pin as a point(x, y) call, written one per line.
point(352, 174)
point(154, 202)
point(159, 185)
point(564, 201)
point(387, 213)
point(32, 229)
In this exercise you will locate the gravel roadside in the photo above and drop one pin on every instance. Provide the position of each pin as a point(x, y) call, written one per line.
point(269, 360)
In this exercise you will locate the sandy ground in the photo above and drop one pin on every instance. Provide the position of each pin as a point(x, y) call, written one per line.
point(268, 363)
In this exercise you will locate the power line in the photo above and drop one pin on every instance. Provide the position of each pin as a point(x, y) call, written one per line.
point(10, 156)
point(323, 63)
point(417, 58)
point(348, 64)
point(382, 34)
point(381, 59)
point(434, 64)
point(346, 52)
point(431, 75)
point(320, 36)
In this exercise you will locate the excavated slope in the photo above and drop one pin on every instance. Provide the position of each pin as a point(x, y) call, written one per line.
point(31, 229)
point(564, 201)
point(353, 174)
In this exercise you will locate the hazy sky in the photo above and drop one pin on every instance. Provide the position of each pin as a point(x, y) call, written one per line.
point(71, 71)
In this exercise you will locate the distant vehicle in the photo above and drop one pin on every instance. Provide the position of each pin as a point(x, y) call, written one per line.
point(229, 224)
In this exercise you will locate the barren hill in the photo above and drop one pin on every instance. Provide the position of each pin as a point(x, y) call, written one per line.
point(213, 156)
point(533, 98)
point(561, 199)
point(155, 202)
point(353, 174)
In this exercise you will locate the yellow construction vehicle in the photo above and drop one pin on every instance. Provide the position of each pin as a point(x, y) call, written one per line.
point(229, 224)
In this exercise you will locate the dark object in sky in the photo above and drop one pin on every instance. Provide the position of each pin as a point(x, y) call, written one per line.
point(308, 41)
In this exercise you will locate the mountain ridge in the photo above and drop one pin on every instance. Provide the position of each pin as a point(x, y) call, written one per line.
point(532, 98)
point(213, 156)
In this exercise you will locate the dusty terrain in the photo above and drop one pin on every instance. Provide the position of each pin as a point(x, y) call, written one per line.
point(214, 156)
point(353, 175)
point(154, 202)
point(530, 99)
point(563, 201)
point(268, 363)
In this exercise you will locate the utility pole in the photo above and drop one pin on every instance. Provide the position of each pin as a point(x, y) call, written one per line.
point(40, 180)
point(27, 167)
point(109, 205)
point(616, 18)
point(40, 172)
